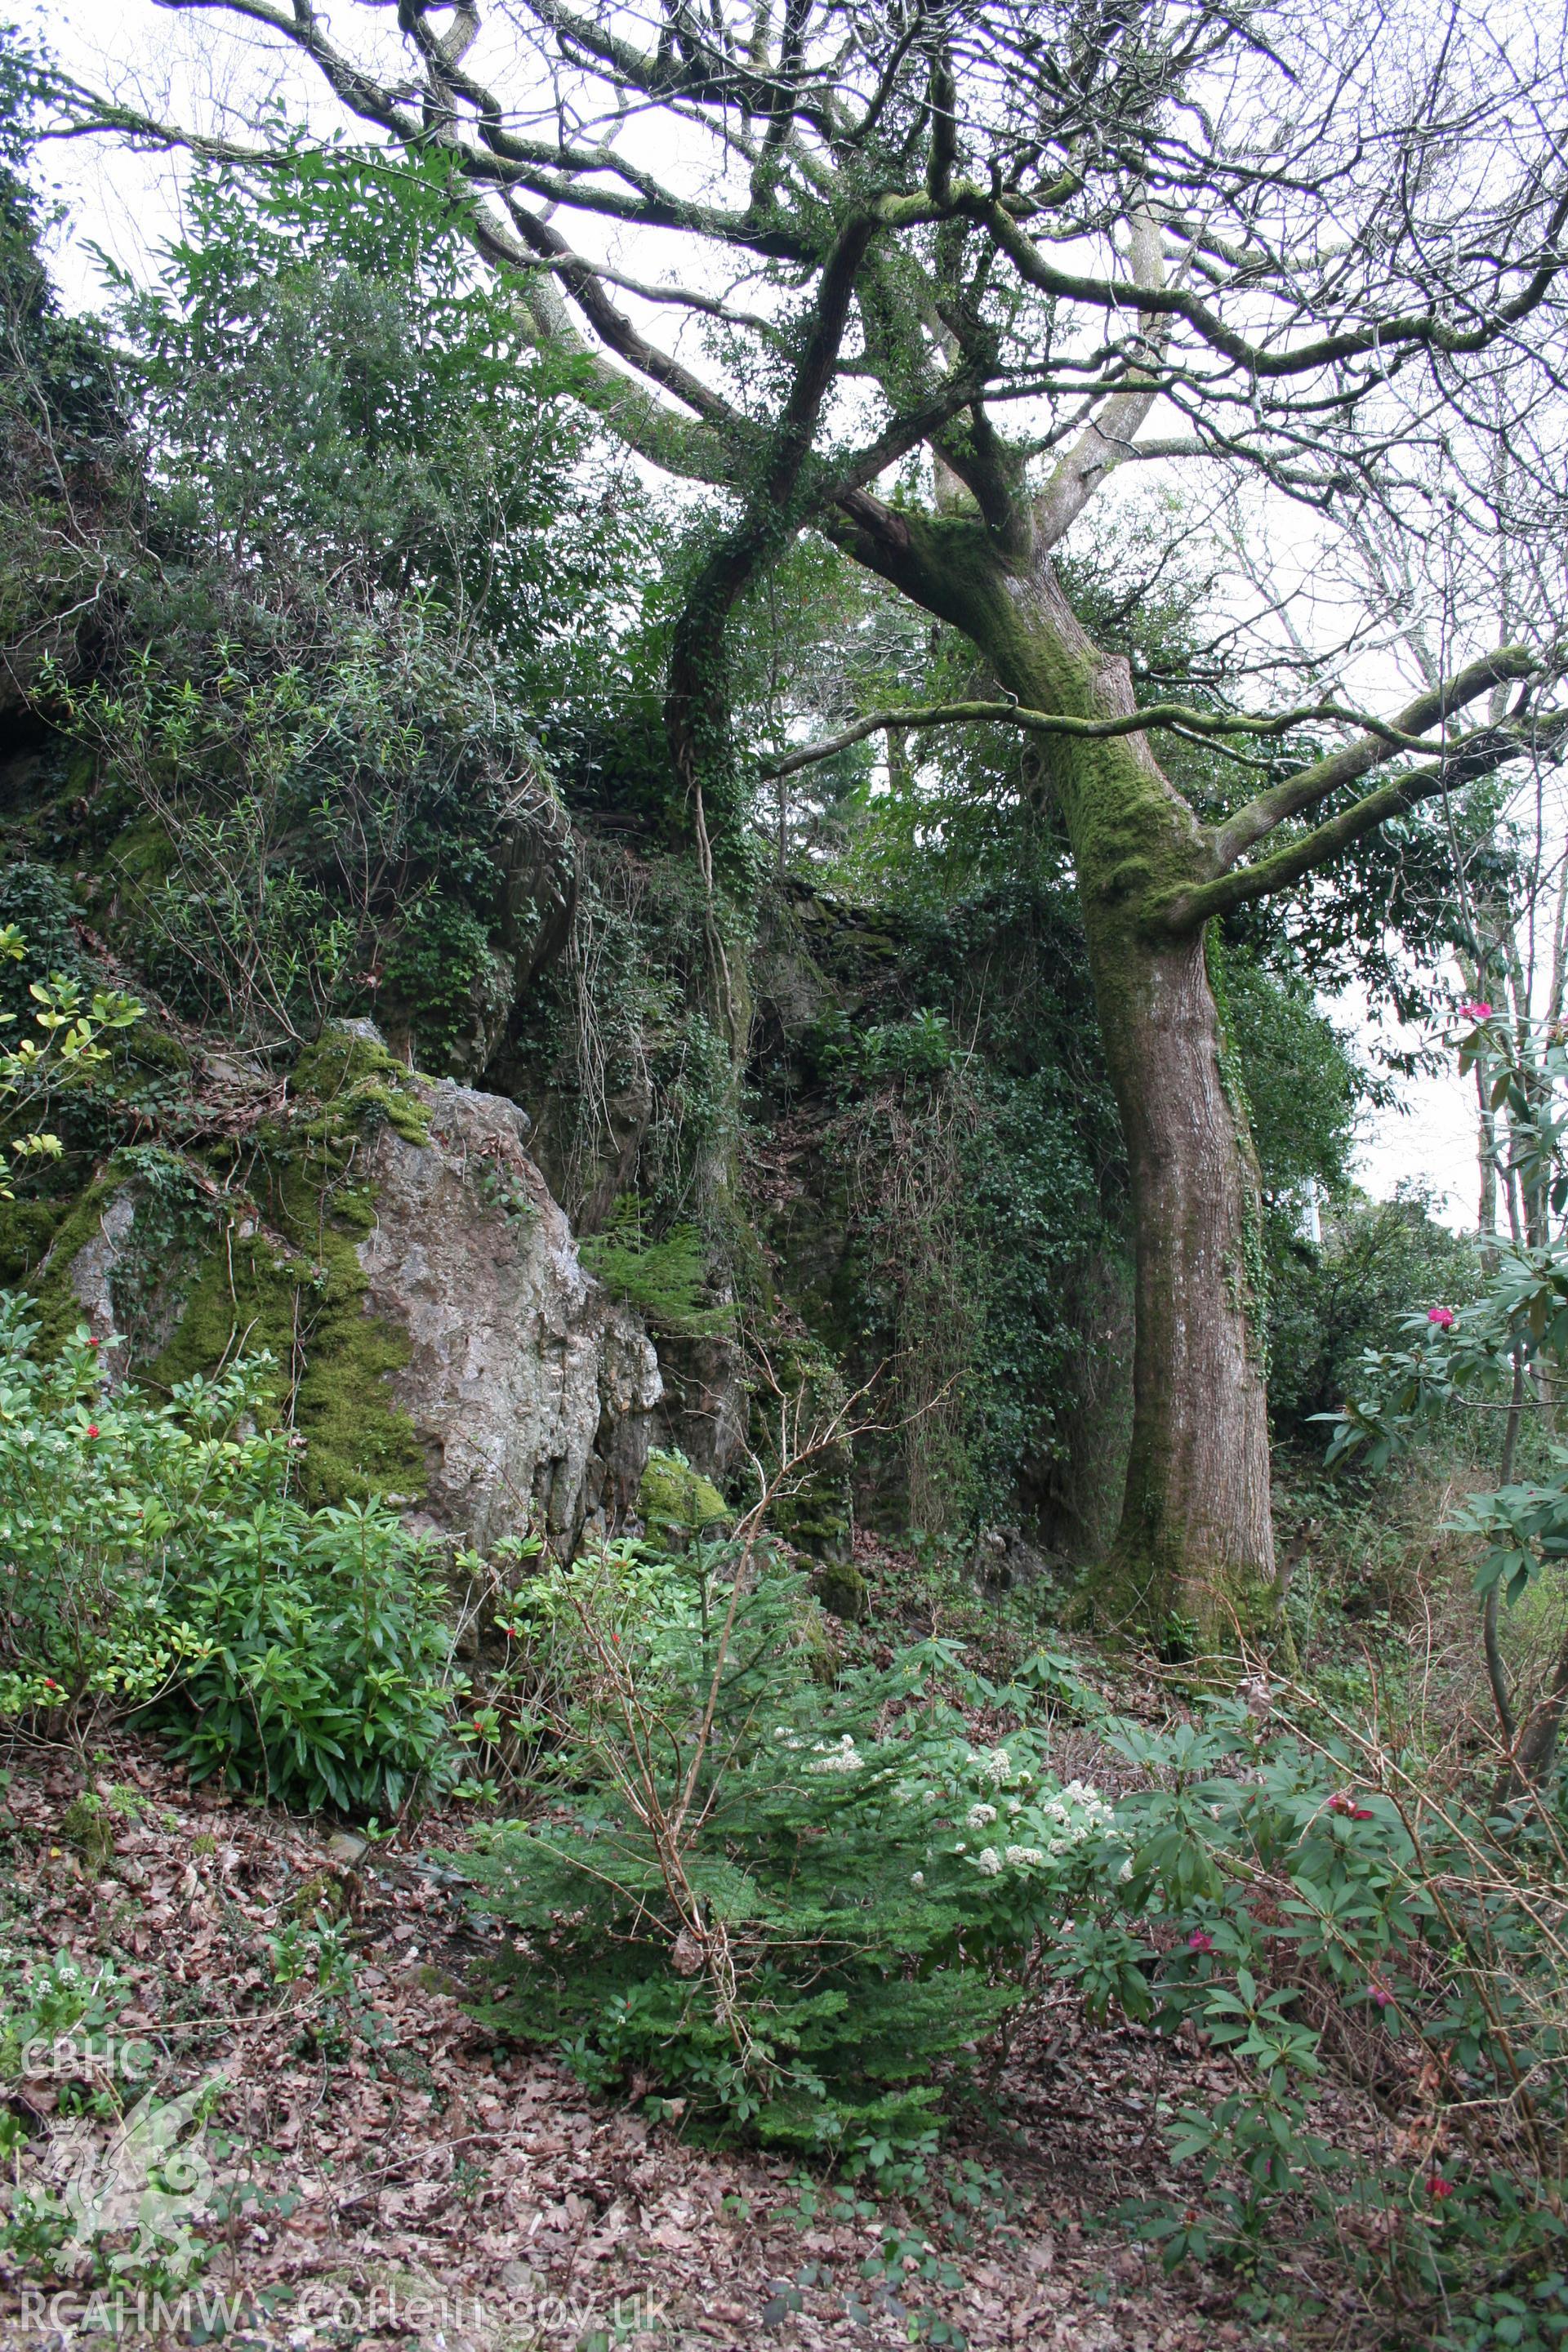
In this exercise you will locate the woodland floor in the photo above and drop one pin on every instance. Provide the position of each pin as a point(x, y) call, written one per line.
point(376, 2153)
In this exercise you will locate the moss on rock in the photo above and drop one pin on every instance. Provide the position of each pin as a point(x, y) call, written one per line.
point(293, 1284)
point(353, 1076)
point(70, 1225)
point(28, 1231)
point(333, 1360)
point(843, 1592)
point(276, 1272)
point(676, 1502)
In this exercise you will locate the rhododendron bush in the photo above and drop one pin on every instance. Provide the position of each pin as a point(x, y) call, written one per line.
point(1329, 1910)
point(156, 1564)
point(1503, 1361)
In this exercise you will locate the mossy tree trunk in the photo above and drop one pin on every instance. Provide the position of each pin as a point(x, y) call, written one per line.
point(1195, 1535)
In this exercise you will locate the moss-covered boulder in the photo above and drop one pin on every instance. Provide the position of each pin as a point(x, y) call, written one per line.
point(389, 1243)
point(528, 1387)
point(842, 1590)
point(676, 1502)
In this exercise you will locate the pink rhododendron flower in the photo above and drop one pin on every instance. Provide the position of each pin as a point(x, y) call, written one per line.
point(1381, 1994)
point(1200, 1941)
point(1441, 1315)
point(92, 1429)
point(1437, 2186)
point(1475, 1010)
point(1342, 1801)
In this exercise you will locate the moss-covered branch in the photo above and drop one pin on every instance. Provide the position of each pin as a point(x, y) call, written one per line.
point(1312, 784)
point(1479, 754)
point(1385, 737)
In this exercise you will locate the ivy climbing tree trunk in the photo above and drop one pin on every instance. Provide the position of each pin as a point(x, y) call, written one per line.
point(1195, 1536)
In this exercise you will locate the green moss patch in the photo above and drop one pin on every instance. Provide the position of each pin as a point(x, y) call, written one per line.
point(295, 1286)
point(843, 1592)
point(64, 1229)
point(333, 1361)
point(353, 1077)
point(277, 1273)
point(677, 1502)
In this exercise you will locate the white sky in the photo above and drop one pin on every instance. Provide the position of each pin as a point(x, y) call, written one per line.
point(128, 205)
point(1430, 1140)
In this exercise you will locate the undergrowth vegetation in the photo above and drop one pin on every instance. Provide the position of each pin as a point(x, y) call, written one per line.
point(744, 1882)
point(792, 1894)
point(160, 1568)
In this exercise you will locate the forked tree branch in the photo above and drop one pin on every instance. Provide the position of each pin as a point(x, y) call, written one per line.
point(1236, 836)
point(1479, 754)
point(1109, 436)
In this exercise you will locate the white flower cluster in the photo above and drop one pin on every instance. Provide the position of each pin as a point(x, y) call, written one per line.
point(1068, 1818)
point(989, 1863)
point(1079, 1812)
point(993, 1764)
point(842, 1757)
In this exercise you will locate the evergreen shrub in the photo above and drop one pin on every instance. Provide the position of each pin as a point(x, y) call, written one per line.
point(785, 1894)
point(1372, 1943)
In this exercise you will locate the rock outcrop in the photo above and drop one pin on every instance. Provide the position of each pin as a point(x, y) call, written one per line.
point(402, 1259)
point(529, 1388)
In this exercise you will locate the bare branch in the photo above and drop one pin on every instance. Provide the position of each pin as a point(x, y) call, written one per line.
point(1109, 436)
point(1385, 737)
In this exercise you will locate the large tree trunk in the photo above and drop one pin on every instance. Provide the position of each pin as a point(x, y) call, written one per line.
point(1195, 1538)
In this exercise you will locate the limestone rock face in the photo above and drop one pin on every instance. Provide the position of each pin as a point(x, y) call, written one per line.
point(529, 1388)
point(92, 1273)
